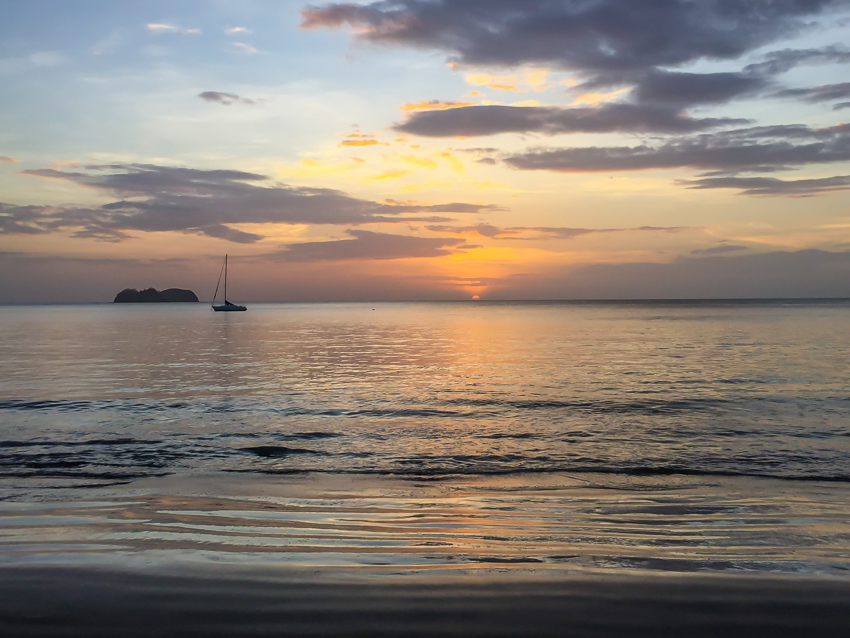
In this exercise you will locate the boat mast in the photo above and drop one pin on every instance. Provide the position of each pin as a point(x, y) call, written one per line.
point(225, 279)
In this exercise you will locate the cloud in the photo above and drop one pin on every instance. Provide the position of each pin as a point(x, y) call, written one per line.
point(159, 198)
point(47, 58)
point(242, 47)
point(221, 231)
point(801, 274)
point(361, 139)
point(810, 273)
point(225, 98)
point(5, 159)
point(471, 121)
point(841, 105)
point(772, 185)
point(22, 220)
point(722, 249)
point(783, 61)
point(485, 230)
point(237, 31)
point(164, 27)
point(686, 89)
point(543, 232)
point(370, 245)
point(613, 46)
point(432, 105)
point(39, 59)
point(596, 37)
point(756, 148)
point(823, 93)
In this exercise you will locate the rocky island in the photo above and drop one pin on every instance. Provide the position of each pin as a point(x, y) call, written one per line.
point(151, 295)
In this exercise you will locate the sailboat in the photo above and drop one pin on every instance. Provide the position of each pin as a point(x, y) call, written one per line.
point(226, 306)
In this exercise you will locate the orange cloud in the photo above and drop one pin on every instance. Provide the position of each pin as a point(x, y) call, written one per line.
point(527, 80)
point(424, 162)
point(361, 139)
point(595, 99)
point(390, 175)
point(432, 105)
point(316, 168)
point(362, 143)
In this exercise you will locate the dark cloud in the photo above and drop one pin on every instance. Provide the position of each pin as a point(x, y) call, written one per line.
point(686, 89)
point(754, 149)
point(823, 93)
point(772, 185)
point(160, 198)
point(22, 220)
point(470, 121)
point(594, 36)
point(568, 233)
point(230, 234)
point(809, 273)
point(370, 245)
point(485, 230)
point(722, 249)
point(841, 105)
point(778, 62)
point(5, 159)
point(640, 46)
point(226, 98)
point(544, 232)
point(806, 273)
point(606, 43)
point(63, 279)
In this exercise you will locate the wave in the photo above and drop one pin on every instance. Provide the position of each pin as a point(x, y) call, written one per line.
point(601, 407)
point(453, 408)
point(276, 451)
point(120, 477)
point(84, 442)
point(449, 473)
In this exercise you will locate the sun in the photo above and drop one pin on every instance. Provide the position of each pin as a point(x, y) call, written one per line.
point(475, 297)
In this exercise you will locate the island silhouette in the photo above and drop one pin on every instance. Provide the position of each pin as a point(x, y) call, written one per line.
point(151, 295)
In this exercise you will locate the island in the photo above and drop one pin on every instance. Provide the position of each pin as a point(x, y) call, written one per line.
point(151, 295)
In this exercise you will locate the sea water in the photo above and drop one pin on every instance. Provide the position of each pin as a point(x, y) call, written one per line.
point(679, 436)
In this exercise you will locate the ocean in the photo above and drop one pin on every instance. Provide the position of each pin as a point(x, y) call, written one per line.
point(474, 437)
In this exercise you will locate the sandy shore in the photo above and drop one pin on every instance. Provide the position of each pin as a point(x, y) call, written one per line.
point(217, 555)
point(228, 601)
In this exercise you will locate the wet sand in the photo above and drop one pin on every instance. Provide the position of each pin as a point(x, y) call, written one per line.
point(222, 555)
point(228, 601)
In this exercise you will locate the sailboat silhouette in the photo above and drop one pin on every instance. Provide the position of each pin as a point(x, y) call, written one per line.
point(226, 306)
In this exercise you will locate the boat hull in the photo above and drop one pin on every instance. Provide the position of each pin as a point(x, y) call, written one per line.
point(229, 308)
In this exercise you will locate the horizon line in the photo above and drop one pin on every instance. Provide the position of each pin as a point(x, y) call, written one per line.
point(617, 300)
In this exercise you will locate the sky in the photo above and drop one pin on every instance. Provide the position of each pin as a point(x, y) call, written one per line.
point(425, 149)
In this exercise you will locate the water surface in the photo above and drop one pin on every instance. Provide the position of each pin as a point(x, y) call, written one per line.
point(678, 436)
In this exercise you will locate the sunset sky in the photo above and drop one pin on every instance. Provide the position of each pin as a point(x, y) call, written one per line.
point(425, 149)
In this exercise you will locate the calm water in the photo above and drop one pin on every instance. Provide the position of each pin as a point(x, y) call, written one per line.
point(671, 436)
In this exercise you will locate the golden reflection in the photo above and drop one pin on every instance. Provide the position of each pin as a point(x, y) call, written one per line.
point(550, 522)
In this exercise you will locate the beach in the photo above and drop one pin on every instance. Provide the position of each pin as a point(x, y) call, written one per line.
point(75, 601)
point(358, 556)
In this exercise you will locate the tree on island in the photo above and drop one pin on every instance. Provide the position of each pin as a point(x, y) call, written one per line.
point(151, 295)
